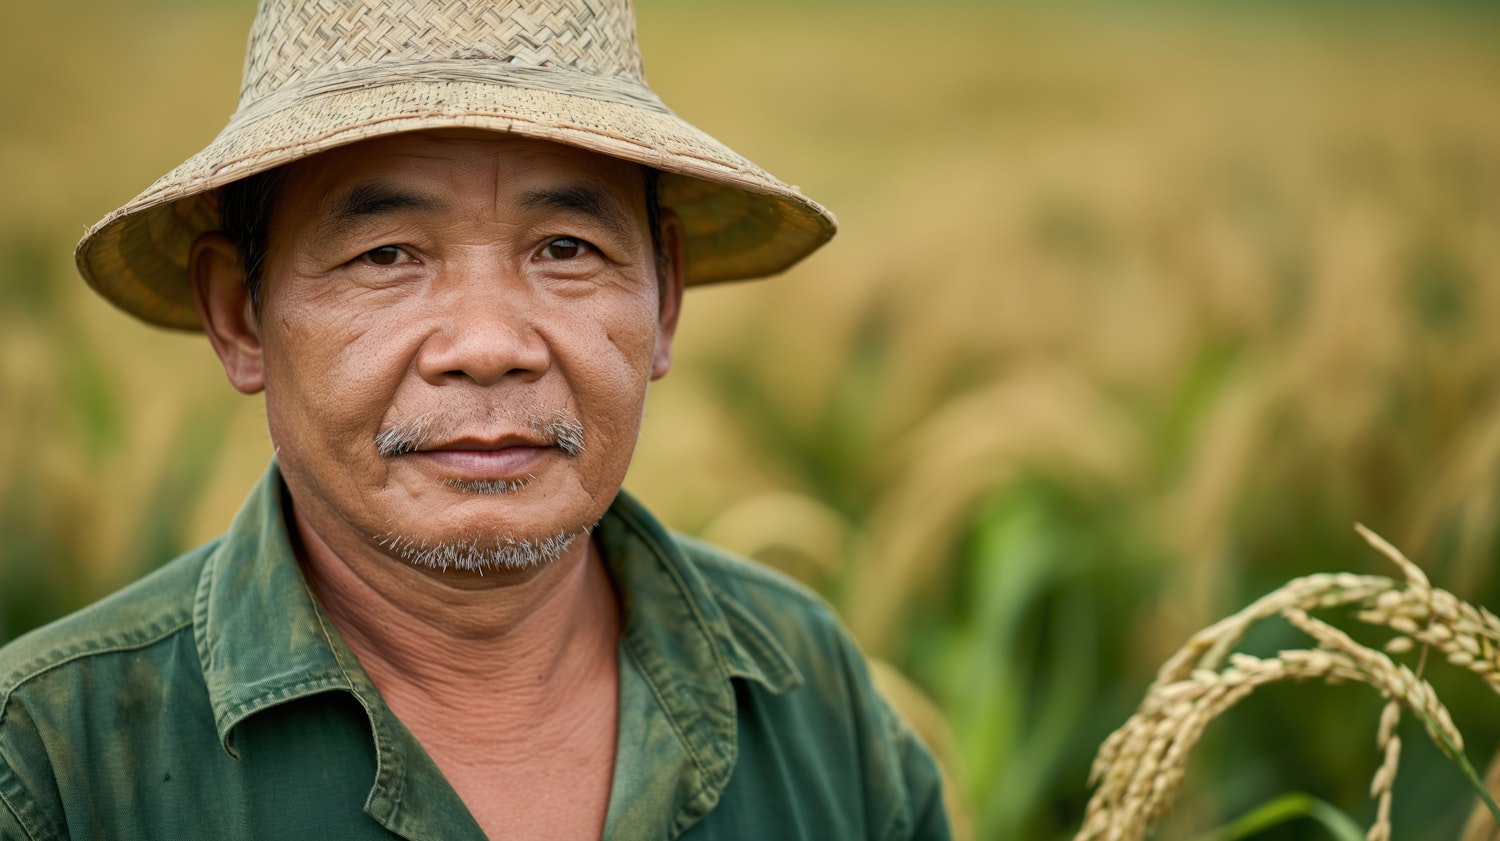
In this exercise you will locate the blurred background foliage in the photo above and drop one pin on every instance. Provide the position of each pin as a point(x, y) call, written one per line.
point(1136, 309)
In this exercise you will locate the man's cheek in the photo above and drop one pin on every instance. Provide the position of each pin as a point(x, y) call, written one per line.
point(325, 418)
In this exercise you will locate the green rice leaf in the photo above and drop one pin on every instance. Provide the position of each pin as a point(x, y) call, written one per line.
point(1289, 807)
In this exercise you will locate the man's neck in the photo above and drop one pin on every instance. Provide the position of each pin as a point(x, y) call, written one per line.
point(509, 681)
point(445, 637)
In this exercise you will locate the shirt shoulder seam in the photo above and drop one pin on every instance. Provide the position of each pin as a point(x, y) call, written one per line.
point(747, 571)
point(61, 655)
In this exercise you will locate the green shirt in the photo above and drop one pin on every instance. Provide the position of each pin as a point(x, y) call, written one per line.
point(213, 699)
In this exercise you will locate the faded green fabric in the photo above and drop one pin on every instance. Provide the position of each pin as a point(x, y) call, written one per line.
point(213, 699)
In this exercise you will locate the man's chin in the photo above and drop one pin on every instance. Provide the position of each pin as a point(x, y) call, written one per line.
point(481, 553)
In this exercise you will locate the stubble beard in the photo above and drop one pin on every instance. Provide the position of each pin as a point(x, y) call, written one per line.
point(481, 553)
point(558, 428)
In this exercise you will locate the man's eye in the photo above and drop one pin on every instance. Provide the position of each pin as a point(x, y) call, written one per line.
point(387, 255)
point(566, 248)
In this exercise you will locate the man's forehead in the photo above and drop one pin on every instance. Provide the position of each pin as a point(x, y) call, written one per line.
point(434, 162)
point(437, 171)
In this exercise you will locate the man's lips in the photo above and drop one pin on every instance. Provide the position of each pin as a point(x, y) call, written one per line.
point(430, 433)
point(509, 458)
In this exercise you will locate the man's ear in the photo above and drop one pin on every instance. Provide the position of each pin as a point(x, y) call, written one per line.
point(224, 308)
point(671, 293)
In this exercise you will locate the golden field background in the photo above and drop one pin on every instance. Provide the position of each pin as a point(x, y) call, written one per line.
point(1135, 311)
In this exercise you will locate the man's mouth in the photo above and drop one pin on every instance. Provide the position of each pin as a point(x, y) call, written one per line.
point(483, 460)
point(429, 435)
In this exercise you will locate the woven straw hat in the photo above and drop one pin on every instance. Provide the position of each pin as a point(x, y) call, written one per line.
point(326, 73)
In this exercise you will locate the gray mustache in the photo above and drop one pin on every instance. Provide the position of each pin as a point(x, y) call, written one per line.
point(555, 428)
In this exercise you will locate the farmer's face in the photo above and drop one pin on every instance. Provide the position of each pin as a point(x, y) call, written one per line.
point(457, 333)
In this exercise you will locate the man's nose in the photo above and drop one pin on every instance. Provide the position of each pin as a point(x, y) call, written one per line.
point(486, 331)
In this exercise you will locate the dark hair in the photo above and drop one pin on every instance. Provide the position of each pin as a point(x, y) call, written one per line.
point(245, 216)
point(653, 223)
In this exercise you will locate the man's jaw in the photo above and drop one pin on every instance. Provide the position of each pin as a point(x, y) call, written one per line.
point(481, 554)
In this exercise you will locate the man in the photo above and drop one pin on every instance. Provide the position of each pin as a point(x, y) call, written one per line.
point(449, 241)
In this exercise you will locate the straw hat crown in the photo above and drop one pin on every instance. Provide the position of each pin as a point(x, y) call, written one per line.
point(325, 73)
point(293, 41)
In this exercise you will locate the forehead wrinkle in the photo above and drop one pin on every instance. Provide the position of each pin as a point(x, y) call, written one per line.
point(585, 199)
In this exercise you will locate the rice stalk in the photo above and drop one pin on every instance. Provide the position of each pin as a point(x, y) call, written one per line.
point(974, 444)
point(1139, 768)
point(1380, 787)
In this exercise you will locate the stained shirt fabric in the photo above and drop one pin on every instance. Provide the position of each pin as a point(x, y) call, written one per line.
point(214, 699)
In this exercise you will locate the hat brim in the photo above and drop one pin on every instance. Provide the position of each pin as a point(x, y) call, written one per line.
point(738, 221)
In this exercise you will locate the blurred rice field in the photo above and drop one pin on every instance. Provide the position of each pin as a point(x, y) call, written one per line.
point(1135, 311)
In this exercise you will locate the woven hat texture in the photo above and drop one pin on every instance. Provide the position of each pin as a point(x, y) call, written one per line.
point(326, 73)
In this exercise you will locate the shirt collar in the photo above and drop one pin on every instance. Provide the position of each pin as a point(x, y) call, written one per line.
point(687, 640)
point(263, 639)
point(672, 608)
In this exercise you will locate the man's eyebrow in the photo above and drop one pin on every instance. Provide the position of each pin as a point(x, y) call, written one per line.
point(374, 199)
point(584, 199)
